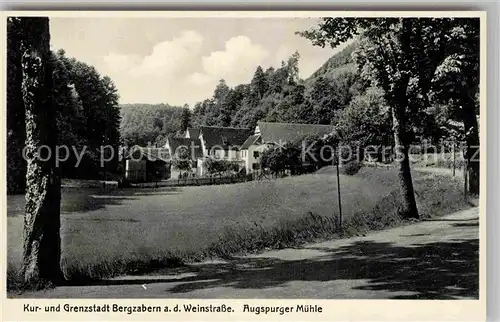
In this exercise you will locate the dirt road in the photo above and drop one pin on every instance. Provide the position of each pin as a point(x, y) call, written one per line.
point(435, 259)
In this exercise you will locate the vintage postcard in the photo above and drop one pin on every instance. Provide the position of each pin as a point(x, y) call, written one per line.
point(244, 165)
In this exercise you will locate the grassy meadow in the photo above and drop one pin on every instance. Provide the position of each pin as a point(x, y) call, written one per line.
point(135, 230)
point(438, 160)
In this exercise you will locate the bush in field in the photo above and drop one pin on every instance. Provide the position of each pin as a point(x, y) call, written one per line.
point(319, 150)
point(182, 161)
point(304, 155)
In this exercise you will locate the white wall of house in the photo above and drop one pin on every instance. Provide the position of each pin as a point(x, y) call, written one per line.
point(218, 154)
point(231, 155)
point(167, 146)
point(234, 155)
point(203, 146)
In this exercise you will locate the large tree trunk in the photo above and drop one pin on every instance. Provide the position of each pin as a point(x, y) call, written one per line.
point(408, 207)
point(42, 244)
point(472, 142)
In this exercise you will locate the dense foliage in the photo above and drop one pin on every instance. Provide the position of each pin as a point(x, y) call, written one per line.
point(276, 95)
point(279, 95)
point(220, 166)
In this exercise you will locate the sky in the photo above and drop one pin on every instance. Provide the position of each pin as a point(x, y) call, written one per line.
point(180, 60)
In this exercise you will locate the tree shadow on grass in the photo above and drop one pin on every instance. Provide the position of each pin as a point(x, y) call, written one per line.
point(74, 200)
point(444, 270)
point(454, 220)
point(148, 191)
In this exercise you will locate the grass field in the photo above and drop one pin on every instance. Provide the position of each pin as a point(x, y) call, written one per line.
point(138, 229)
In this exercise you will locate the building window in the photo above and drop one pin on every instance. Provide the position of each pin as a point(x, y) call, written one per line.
point(256, 154)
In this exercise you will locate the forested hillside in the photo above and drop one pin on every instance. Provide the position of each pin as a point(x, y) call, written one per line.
point(277, 95)
point(337, 93)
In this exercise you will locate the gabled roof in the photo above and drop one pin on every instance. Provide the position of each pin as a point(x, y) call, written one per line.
point(192, 145)
point(224, 137)
point(149, 153)
point(252, 139)
point(193, 133)
point(288, 132)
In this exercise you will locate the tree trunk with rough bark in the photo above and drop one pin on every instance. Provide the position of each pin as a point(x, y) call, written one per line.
point(398, 101)
point(42, 244)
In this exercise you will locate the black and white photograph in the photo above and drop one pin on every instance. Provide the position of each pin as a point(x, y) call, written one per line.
point(295, 157)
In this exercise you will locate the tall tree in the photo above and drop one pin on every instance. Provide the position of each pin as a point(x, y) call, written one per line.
point(185, 118)
point(42, 243)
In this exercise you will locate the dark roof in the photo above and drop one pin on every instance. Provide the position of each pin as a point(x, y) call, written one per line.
point(251, 140)
point(289, 132)
point(224, 137)
point(193, 133)
point(192, 145)
point(152, 154)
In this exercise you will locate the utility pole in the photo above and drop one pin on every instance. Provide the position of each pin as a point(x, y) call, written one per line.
point(466, 165)
point(453, 156)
